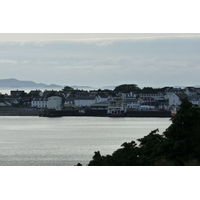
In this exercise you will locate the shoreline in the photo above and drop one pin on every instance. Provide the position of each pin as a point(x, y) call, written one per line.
point(18, 111)
point(21, 111)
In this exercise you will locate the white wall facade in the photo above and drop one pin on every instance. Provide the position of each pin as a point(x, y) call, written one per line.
point(132, 105)
point(84, 102)
point(54, 102)
point(195, 102)
point(39, 103)
point(101, 99)
point(155, 96)
point(174, 100)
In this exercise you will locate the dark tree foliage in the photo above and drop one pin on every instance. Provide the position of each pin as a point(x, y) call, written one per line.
point(152, 90)
point(147, 90)
point(183, 136)
point(105, 91)
point(67, 88)
point(151, 148)
point(126, 156)
point(2, 96)
point(52, 93)
point(177, 146)
point(75, 91)
point(126, 88)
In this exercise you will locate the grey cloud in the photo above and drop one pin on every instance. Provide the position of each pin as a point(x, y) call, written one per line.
point(110, 61)
point(7, 61)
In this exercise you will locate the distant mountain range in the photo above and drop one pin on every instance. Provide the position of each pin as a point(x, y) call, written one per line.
point(14, 83)
point(93, 88)
point(81, 87)
point(17, 84)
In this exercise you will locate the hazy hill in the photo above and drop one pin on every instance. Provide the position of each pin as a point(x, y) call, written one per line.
point(14, 83)
point(81, 87)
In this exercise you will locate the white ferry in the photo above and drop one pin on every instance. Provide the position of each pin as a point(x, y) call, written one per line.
point(117, 107)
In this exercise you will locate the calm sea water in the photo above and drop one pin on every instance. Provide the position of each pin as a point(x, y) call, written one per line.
point(65, 141)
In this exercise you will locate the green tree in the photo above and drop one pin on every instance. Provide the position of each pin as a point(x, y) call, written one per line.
point(183, 136)
point(126, 88)
point(2, 96)
point(151, 148)
point(178, 145)
point(67, 89)
point(52, 93)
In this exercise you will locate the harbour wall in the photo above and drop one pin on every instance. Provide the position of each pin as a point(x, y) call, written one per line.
point(18, 111)
point(147, 113)
point(103, 113)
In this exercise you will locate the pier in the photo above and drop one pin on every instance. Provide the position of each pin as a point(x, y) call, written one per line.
point(102, 113)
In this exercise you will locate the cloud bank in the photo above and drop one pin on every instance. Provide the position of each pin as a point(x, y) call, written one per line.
point(153, 62)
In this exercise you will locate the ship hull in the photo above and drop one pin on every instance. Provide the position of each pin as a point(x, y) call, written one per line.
point(116, 115)
point(116, 112)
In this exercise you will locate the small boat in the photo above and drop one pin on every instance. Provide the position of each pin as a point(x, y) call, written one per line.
point(173, 112)
point(117, 107)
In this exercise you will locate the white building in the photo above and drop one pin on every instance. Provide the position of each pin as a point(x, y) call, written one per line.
point(155, 96)
point(85, 101)
point(11, 101)
point(100, 106)
point(171, 91)
point(54, 102)
point(102, 98)
point(175, 99)
point(132, 103)
point(190, 91)
point(195, 100)
point(39, 102)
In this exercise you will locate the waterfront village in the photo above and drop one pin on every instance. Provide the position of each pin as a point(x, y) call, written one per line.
point(148, 98)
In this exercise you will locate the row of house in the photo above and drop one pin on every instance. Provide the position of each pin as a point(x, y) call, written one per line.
point(170, 97)
point(86, 101)
point(175, 99)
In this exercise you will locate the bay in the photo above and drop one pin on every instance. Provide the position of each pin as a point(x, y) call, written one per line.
point(66, 141)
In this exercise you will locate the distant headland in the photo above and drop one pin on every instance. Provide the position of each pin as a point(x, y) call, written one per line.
point(14, 83)
point(17, 84)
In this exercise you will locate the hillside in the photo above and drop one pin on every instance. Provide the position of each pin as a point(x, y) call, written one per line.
point(14, 83)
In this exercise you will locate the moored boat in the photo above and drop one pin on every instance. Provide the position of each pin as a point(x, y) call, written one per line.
point(117, 107)
point(173, 112)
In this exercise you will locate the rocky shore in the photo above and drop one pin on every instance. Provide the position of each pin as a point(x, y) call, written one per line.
point(18, 111)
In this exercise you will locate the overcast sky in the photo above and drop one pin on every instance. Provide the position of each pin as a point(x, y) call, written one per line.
point(98, 60)
point(101, 59)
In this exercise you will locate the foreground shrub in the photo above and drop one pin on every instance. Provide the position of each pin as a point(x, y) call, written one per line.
point(177, 146)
